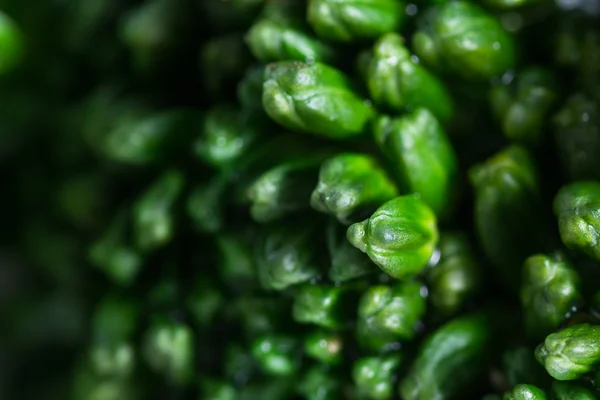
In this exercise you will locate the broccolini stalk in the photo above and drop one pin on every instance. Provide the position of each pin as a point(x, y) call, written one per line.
point(549, 293)
point(324, 346)
point(460, 345)
point(280, 36)
point(525, 392)
point(350, 20)
point(577, 137)
point(399, 237)
point(509, 219)
point(570, 353)
point(12, 46)
point(463, 38)
point(153, 211)
point(577, 205)
point(522, 106)
point(456, 277)
point(350, 184)
point(276, 354)
point(347, 262)
point(388, 314)
point(314, 98)
point(422, 156)
point(373, 376)
point(397, 82)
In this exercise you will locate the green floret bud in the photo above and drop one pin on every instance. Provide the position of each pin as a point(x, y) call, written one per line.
point(572, 391)
point(399, 237)
point(314, 98)
point(577, 207)
point(373, 376)
point(398, 82)
point(347, 262)
point(422, 156)
point(326, 347)
point(525, 392)
point(350, 184)
point(388, 314)
point(350, 20)
point(319, 383)
point(571, 353)
point(276, 355)
point(551, 291)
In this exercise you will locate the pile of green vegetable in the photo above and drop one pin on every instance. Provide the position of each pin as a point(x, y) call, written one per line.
point(300, 199)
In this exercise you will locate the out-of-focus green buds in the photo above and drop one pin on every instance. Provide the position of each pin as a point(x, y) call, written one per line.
point(250, 88)
point(324, 346)
point(456, 277)
point(570, 353)
point(398, 82)
point(11, 44)
point(520, 366)
point(216, 390)
point(205, 204)
point(153, 219)
point(577, 137)
point(113, 254)
point(114, 361)
point(276, 355)
point(279, 36)
point(204, 302)
point(461, 37)
point(550, 291)
point(285, 257)
point(226, 135)
point(284, 189)
point(350, 20)
point(399, 237)
point(509, 221)
point(572, 391)
point(512, 4)
point(525, 392)
point(347, 262)
point(114, 319)
point(167, 20)
point(314, 98)
point(460, 345)
point(373, 376)
point(522, 106)
point(318, 383)
point(236, 265)
point(388, 314)
point(577, 207)
point(422, 156)
point(228, 15)
point(169, 351)
point(351, 184)
point(222, 61)
point(262, 315)
point(322, 305)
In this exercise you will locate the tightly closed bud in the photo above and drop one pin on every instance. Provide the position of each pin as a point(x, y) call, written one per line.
point(570, 353)
point(314, 98)
point(326, 347)
point(551, 291)
point(285, 257)
point(509, 219)
point(153, 215)
point(423, 158)
point(350, 184)
point(373, 376)
point(522, 106)
point(462, 37)
point(456, 277)
point(389, 314)
point(398, 82)
point(525, 392)
point(276, 355)
point(354, 19)
point(322, 305)
point(577, 207)
point(399, 237)
point(169, 351)
point(577, 137)
point(460, 345)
